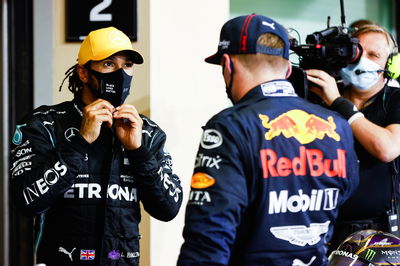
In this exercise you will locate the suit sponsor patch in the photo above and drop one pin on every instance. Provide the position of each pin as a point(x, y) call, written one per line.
point(309, 162)
point(202, 180)
point(93, 191)
point(199, 197)
point(42, 185)
point(318, 200)
point(304, 127)
point(211, 139)
point(301, 235)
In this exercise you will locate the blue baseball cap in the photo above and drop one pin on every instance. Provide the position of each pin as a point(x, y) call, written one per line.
point(239, 36)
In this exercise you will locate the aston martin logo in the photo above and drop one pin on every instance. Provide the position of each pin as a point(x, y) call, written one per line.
point(301, 235)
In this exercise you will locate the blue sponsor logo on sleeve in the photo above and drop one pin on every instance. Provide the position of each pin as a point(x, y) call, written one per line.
point(17, 139)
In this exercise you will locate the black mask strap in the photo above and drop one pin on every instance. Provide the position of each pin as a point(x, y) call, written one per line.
point(229, 87)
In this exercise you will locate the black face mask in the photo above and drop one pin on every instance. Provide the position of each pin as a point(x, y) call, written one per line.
point(229, 86)
point(113, 87)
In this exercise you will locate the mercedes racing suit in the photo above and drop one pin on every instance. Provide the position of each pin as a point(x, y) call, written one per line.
point(86, 196)
point(269, 176)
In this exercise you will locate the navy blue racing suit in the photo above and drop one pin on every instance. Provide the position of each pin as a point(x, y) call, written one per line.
point(269, 176)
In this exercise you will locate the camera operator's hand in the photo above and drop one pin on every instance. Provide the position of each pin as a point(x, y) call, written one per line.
point(93, 116)
point(128, 126)
point(327, 89)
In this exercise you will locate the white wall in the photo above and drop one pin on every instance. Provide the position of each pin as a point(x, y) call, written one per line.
point(184, 93)
point(42, 49)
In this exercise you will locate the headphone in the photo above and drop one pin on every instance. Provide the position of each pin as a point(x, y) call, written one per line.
point(392, 68)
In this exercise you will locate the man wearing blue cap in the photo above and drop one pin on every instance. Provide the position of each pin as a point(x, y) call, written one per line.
point(272, 170)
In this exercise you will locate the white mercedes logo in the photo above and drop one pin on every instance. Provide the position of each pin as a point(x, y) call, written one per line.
point(70, 132)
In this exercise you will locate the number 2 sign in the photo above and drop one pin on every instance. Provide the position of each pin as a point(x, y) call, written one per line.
point(83, 16)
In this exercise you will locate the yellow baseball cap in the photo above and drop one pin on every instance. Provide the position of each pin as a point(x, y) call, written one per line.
point(102, 43)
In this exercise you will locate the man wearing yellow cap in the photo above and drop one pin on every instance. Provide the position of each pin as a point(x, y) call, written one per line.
point(82, 166)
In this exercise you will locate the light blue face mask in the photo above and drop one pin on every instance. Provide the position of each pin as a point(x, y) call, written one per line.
point(362, 75)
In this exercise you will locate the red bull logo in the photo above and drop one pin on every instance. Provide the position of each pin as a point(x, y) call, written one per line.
point(304, 127)
point(309, 162)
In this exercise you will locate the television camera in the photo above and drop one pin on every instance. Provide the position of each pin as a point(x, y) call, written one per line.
point(330, 50)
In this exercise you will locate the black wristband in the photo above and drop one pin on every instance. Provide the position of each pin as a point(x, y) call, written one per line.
point(346, 108)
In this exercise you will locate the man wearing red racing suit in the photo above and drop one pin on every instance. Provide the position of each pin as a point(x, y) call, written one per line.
point(272, 170)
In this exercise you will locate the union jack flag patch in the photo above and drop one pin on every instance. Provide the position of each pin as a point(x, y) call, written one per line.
point(87, 254)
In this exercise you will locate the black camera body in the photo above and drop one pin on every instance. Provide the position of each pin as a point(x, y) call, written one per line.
point(329, 50)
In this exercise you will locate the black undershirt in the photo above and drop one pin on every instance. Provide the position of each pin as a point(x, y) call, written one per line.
point(373, 195)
